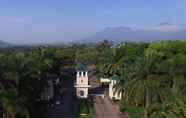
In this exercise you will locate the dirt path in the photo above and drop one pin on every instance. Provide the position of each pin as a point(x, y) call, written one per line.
point(104, 108)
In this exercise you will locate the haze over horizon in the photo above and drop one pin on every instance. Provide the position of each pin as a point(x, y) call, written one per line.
point(46, 21)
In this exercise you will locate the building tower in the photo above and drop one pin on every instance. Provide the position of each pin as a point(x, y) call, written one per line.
point(82, 84)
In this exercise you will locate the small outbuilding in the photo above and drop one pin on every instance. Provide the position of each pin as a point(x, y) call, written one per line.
point(111, 82)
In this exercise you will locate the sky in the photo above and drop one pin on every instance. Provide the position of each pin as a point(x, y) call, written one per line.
point(54, 21)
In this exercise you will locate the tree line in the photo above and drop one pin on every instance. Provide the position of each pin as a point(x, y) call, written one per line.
point(152, 76)
point(23, 78)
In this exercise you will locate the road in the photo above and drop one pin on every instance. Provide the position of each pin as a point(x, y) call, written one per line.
point(64, 109)
point(104, 108)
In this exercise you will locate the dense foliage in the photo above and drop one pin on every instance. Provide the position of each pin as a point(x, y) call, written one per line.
point(23, 78)
point(152, 76)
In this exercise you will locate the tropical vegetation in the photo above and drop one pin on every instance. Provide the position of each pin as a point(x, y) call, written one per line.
point(152, 76)
point(24, 75)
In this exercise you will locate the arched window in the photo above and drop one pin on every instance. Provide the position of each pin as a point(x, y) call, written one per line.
point(81, 93)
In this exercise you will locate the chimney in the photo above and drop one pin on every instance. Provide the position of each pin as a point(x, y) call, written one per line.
point(86, 74)
point(82, 74)
point(77, 73)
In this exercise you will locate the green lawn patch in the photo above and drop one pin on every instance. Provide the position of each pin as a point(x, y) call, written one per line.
point(83, 108)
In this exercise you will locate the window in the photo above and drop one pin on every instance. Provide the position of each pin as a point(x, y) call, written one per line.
point(81, 93)
point(81, 81)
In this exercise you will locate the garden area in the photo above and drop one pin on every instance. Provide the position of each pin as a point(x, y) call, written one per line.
point(83, 108)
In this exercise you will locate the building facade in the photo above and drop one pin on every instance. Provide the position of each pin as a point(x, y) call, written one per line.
point(113, 94)
point(82, 84)
point(111, 82)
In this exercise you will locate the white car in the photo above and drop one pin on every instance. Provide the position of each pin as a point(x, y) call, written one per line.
point(57, 102)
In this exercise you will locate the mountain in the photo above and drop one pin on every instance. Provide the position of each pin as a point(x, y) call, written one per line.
point(4, 44)
point(163, 31)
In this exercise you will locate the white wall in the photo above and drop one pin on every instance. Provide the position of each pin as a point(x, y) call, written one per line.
point(85, 90)
point(112, 93)
point(104, 80)
point(82, 79)
point(82, 84)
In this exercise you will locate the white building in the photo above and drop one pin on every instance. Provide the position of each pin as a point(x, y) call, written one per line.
point(113, 94)
point(82, 84)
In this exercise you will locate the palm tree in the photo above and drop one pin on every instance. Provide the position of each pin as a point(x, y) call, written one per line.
point(144, 87)
point(112, 62)
point(172, 62)
point(175, 108)
point(25, 73)
point(12, 105)
point(124, 77)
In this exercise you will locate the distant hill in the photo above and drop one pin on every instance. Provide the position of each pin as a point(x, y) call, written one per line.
point(163, 31)
point(4, 44)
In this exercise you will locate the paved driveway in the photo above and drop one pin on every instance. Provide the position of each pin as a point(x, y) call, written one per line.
point(104, 108)
point(64, 109)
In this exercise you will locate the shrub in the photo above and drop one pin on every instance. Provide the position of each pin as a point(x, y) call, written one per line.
point(133, 111)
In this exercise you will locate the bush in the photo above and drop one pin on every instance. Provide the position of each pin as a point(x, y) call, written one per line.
point(133, 111)
point(83, 108)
